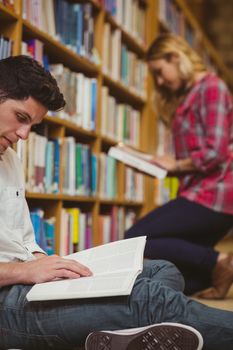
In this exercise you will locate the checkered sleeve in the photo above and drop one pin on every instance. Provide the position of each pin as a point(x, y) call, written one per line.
point(214, 108)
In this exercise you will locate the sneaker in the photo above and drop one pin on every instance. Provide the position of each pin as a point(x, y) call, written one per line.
point(162, 336)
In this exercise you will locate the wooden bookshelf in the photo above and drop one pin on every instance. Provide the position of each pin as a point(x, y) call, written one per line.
point(14, 26)
point(202, 44)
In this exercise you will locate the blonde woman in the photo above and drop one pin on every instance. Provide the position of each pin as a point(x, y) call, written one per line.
point(197, 106)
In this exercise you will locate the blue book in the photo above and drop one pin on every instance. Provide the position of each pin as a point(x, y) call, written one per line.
point(79, 28)
point(79, 169)
point(56, 174)
point(49, 166)
point(58, 17)
point(46, 62)
point(37, 218)
point(94, 174)
point(93, 103)
point(49, 228)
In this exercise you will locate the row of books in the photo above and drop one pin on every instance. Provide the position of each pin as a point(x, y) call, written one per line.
point(134, 185)
point(6, 46)
point(121, 63)
point(119, 121)
point(174, 19)
point(69, 167)
point(81, 96)
point(76, 231)
point(79, 91)
point(165, 190)
point(112, 225)
point(33, 48)
point(41, 159)
point(80, 168)
point(108, 184)
point(75, 228)
point(129, 14)
point(52, 166)
point(40, 14)
point(70, 23)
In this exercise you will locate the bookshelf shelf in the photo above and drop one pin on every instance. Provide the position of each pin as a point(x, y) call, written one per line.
point(58, 51)
point(71, 126)
point(121, 203)
point(108, 141)
point(122, 92)
point(60, 197)
point(93, 204)
point(8, 14)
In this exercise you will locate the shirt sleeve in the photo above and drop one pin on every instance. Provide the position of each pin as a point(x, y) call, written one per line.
point(214, 107)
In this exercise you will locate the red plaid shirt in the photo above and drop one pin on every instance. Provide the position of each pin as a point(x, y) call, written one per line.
point(203, 131)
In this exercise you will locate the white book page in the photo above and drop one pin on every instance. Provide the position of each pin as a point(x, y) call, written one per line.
point(143, 165)
point(119, 283)
point(114, 265)
point(145, 156)
point(118, 256)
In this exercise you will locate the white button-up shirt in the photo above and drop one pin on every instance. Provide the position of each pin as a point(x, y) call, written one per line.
point(17, 239)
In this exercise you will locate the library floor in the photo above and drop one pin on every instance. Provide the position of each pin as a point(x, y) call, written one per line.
point(226, 245)
point(226, 304)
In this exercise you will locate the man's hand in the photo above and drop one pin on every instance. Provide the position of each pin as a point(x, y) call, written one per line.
point(39, 255)
point(45, 269)
point(50, 268)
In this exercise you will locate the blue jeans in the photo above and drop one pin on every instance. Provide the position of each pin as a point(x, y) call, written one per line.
point(156, 297)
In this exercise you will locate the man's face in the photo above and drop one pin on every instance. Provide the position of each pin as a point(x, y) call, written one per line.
point(17, 118)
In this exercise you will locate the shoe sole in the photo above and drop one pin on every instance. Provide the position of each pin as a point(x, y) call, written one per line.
point(163, 336)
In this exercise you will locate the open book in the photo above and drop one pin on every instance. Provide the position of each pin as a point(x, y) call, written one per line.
point(136, 159)
point(115, 267)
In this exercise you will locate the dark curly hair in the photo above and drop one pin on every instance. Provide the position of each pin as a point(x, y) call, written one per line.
point(22, 77)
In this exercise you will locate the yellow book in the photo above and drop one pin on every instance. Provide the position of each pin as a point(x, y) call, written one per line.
point(74, 212)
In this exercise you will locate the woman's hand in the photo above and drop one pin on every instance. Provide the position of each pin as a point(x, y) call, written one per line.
point(167, 162)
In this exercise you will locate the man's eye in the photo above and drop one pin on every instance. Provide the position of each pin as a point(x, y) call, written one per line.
point(22, 118)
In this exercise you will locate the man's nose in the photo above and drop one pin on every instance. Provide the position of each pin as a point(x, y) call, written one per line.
point(23, 131)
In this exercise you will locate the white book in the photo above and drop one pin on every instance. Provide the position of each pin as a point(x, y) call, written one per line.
point(115, 267)
point(136, 159)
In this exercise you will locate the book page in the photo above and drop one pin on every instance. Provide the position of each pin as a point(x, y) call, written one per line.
point(145, 156)
point(129, 158)
point(119, 283)
point(115, 267)
point(118, 256)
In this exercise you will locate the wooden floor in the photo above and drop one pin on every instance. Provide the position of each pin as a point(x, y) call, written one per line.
point(226, 304)
point(226, 245)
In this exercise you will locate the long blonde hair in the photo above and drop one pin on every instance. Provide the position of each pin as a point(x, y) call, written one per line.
point(190, 63)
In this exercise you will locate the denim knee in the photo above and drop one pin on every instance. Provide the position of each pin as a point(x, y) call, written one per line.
point(164, 272)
